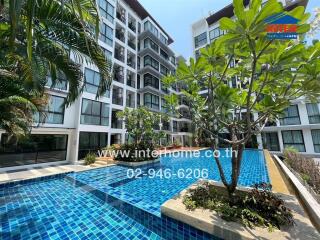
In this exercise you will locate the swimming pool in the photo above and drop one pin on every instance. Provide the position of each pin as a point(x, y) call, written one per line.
point(149, 193)
point(106, 204)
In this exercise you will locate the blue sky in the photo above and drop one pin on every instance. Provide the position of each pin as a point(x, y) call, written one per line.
point(177, 16)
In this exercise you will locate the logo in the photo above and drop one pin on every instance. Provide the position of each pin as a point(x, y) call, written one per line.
point(282, 26)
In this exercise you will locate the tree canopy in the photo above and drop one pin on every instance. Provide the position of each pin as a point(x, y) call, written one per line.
point(267, 74)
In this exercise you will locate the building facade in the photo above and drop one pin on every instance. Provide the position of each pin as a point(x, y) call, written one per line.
point(139, 49)
point(300, 125)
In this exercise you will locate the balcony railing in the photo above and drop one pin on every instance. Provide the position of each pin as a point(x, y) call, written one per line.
point(132, 26)
point(130, 81)
point(118, 76)
point(130, 103)
point(117, 100)
point(116, 123)
point(121, 16)
point(131, 62)
point(120, 35)
point(132, 44)
point(118, 55)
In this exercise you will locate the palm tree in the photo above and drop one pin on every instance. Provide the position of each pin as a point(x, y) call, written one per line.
point(47, 37)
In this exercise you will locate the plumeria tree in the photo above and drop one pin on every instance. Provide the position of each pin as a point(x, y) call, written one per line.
point(140, 124)
point(269, 74)
point(40, 38)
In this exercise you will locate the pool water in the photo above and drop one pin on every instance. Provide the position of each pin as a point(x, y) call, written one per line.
point(105, 204)
point(149, 193)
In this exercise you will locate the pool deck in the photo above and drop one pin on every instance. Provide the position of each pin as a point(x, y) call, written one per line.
point(278, 181)
point(42, 171)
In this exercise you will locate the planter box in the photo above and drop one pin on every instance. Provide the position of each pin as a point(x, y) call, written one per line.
point(209, 221)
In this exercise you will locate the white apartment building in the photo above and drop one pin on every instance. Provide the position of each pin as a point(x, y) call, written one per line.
point(139, 49)
point(300, 125)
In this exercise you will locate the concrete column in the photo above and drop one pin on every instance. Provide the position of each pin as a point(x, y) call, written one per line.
point(259, 141)
point(303, 114)
point(280, 141)
point(308, 143)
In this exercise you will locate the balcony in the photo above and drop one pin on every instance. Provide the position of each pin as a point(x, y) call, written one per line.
point(132, 42)
point(117, 96)
point(119, 53)
point(132, 24)
point(131, 79)
point(115, 121)
point(130, 99)
point(120, 34)
point(118, 74)
point(121, 14)
point(131, 60)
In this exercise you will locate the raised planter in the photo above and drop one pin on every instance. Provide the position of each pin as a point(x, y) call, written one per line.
point(311, 204)
point(209, 221)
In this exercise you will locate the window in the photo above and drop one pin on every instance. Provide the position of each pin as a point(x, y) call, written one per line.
point(60, 83)
point(163, 39)
point(174, 126)
point(106, 34)
point(316, 140)
point(293, 139)
point(200, 40)
point(150, 80)
point(53, 112)
point(106, 10)
point(138, 99)
point(271, 141)
point(291, 116)
point(117, 95)
point(164, 54)
point(94, 113)
point(164, 70)
point(91, 142)
point(148, 43)
point(149, 26)
point(92, 81)
point(107, 54)
point(151, 101)
point(215, 33)
point(32, 149)
point(164, 108)
point(313, 113)
point(149, 61)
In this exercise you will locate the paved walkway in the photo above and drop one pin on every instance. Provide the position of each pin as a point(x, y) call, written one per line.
point(278, 181)
point(34, 172)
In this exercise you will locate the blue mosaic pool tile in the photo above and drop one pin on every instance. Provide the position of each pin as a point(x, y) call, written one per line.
point(150, 193)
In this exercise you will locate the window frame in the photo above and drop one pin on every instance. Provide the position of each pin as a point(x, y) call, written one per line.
point(293, 143)
point(313, 140)
point(152, 104)
point(282, 119)
point(103, 35)
point(104, 12)
point(100, 115)
point(199, 40)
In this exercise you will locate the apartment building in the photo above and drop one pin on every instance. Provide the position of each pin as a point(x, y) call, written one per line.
point(300, 125)
point(139, 49)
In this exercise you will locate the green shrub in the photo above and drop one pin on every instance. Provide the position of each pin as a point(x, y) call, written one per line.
point(259, 207)
point(306, 167)
point(89, 159)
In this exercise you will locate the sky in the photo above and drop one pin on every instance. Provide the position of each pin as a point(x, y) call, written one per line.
point(177, 16)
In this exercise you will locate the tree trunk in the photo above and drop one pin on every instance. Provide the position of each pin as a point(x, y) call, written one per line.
point(236, 164)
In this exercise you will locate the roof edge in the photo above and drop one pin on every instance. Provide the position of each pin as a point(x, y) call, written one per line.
point(143, 13)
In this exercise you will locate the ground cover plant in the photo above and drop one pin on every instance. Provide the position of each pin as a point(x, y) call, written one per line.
point(256, 208)
point(308, 169)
